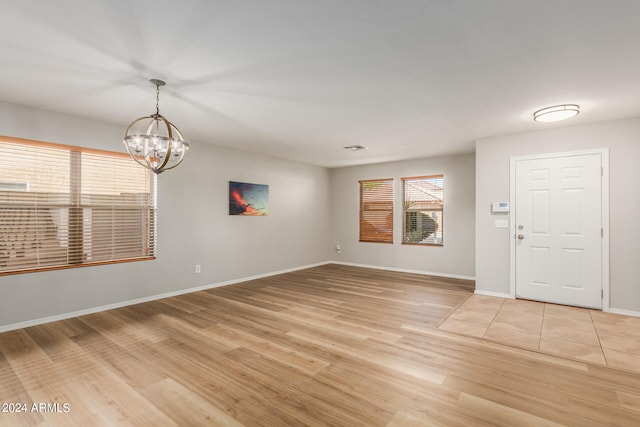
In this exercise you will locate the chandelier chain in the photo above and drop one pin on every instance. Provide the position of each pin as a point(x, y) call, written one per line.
point(157, 99)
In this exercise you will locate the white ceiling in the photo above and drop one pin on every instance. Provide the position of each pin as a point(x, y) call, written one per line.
point(301, 79)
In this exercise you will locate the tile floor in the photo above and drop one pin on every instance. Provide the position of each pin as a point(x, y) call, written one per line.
point(576, 333)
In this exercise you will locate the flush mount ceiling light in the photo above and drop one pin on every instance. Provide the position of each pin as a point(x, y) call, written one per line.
point(153, 141)
point(556, 113)
point(354, 147)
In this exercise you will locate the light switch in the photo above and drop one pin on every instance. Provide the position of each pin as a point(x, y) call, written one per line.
point(502, 223)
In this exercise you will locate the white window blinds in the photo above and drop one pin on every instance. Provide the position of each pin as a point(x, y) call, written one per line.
point(64, 206)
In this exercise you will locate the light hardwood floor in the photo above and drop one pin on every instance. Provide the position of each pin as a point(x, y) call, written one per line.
point(332, 345)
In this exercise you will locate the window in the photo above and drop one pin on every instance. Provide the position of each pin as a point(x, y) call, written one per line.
point(423, 210)
point(376, 211)
point(64, 206)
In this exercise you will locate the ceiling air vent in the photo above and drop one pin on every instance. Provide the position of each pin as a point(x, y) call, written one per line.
point(355, 147)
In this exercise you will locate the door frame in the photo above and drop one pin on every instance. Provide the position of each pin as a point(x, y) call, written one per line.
point(604, 153)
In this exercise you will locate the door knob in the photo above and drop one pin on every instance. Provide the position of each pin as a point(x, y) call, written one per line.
point(520, 236)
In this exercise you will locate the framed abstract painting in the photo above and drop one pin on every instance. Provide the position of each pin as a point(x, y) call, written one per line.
point(248, 199)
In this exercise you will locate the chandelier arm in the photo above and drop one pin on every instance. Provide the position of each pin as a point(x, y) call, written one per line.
point(181, 138)
point(167, 156)
point(177, 161)
point(135, 156)
point(155, 118)
point(184, 150)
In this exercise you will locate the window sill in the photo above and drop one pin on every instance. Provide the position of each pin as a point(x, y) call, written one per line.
point(66, 267)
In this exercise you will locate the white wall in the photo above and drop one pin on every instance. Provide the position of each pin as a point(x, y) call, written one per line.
point(455, 258)
point(193, 224)
point(622, 138)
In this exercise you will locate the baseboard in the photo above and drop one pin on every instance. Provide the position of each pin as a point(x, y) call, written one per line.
point(624, 312)
point(404, 270)
point(57, 317)
point(492, 294)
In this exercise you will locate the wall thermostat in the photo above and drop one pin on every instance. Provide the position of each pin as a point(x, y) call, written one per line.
point(500, 207)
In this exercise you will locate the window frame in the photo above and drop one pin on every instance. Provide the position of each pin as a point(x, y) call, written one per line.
point(406, 211)
point(75, 210)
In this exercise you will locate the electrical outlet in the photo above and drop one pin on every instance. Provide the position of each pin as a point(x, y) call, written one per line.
point(197, 268)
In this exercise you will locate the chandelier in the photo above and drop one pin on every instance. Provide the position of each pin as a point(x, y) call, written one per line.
point(153, 141)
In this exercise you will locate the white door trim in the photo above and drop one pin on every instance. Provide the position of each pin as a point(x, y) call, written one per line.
point(604, 152)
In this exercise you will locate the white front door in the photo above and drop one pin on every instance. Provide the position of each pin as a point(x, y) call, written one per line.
point(558, 229)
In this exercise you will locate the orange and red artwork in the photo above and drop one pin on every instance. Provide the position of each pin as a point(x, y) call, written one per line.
point(248, 199)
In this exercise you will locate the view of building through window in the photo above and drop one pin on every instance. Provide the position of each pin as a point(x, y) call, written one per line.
point(423, 210)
